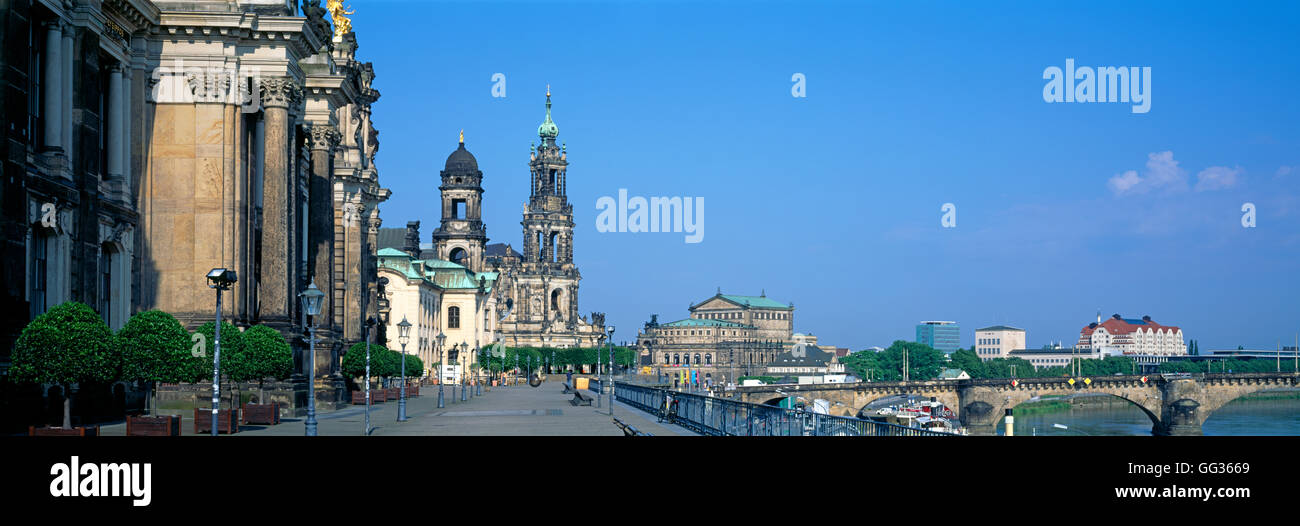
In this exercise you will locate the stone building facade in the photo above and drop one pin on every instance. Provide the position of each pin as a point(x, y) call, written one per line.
point(74, 75)
point(153, 141)
point(726, 336)
point(538, 289)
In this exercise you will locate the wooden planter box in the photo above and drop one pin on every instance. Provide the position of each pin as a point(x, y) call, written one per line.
point(412, 391)
point(225, 424)
point(376, 397)
point(90, 431)
point(268, 414)
point(154, 426)
point(394, 393)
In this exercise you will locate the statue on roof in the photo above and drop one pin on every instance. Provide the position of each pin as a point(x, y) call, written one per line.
point(342, 25)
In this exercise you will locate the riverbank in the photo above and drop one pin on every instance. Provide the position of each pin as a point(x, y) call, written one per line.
point(1057, 404)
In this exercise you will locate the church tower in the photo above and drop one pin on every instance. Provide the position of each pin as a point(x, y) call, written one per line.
point(461, 236)
point(548, 217)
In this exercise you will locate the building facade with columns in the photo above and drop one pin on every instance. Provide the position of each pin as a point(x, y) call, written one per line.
point(538, 288)
point(162, 139)
point(73, 72)
point(726, 335)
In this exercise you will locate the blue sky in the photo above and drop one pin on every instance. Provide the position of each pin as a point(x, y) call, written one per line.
point(832, 201)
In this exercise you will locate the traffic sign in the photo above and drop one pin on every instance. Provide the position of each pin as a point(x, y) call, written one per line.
point(1072, 381)
point(1087, 381)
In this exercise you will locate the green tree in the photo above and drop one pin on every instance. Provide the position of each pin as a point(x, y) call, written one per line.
point(268, 355)
point(155, 348)
point(66, 345)
point(354, 361)
point(234, 361)
point(967, 360)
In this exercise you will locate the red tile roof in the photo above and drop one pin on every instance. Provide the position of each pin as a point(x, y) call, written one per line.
point(1118, 326)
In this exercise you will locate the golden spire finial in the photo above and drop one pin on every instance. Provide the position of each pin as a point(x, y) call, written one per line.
point(462, 135)
point(548, 90)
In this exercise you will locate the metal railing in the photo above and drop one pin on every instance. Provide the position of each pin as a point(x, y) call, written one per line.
point(724, 417)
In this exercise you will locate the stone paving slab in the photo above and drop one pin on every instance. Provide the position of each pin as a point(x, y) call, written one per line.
point(518, 410)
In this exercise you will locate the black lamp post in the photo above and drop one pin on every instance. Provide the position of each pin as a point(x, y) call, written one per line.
point(442, 338)
point(464, 348)
point(609, 343)
point(403, 336)
point(220, 279)
point(311, 303)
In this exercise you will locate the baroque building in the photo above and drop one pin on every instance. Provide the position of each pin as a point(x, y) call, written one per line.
point(165, 138)
point(538, 289)
point(725, 336)
point(476, 294)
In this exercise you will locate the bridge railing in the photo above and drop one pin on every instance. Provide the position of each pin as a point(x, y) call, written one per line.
point(721, 416)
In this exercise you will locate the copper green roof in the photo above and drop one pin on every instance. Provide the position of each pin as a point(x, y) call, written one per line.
point(440, 273)
point(693, 322)
point(548, 129)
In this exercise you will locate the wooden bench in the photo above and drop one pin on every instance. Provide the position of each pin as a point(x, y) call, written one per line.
point(154, 426)
point(89, 431)
point(225, 424)
point(268, 414)
point(579, 398)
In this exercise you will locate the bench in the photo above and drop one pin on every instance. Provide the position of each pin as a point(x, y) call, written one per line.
point(628, 430)
point(568, 389)
point(580, 399)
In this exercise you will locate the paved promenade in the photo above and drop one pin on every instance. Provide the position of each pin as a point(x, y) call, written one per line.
point(502, 411)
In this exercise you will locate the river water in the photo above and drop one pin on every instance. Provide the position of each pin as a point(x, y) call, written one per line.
point(1108, 416)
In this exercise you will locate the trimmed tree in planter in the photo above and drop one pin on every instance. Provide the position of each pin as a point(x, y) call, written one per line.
point(267, 355)
point(354, 362)
point(68, 344)
point(155, 348)
point(234, 362)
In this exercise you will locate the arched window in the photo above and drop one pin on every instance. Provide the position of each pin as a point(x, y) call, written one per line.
point(686, 359)
point(453, 317)
point(708, 359)
point(697, 359)
point(457, 256)
point(677, 359)
point(555, 300)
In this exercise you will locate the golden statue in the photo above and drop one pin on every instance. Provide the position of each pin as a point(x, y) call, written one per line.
point(342, 25)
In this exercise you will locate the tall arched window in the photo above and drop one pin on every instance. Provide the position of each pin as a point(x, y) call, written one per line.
point(677, 359)
point(453, 317)
point(708, 359)
point(697, 359)
point(686, 359)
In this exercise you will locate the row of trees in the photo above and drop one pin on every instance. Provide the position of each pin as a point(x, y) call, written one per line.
point(925, 363)
point(557, 357)
point(1230, 365)
point(384, 363)
point(70, 344)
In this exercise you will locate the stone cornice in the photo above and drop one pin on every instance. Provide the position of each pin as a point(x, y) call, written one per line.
point(249, 28)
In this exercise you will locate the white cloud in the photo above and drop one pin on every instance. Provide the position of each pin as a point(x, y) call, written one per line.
point(1124, 182)
point(1217, 178)
point(1162, 172)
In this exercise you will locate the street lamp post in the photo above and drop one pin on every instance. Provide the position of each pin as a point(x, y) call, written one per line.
point(219, 279)
point(369, 322)
point(609, 343)
point(442, 338)
point(464, 347)
point(404, 336)
point(311, 303)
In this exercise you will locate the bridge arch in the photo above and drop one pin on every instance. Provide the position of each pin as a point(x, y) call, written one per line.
point(1221, 392)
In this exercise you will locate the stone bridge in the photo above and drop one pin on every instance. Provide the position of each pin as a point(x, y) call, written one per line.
point(1176, 404)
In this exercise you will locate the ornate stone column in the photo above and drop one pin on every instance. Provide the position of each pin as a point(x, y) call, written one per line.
point(320, 237)
point(276, 286)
